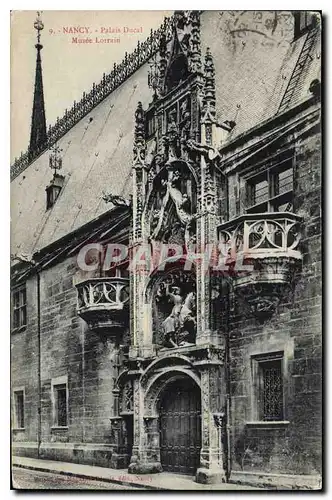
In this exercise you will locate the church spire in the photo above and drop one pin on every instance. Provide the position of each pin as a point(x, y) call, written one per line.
point(38, 137)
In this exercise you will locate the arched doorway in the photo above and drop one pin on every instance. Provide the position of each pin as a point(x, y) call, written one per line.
point(180, 426)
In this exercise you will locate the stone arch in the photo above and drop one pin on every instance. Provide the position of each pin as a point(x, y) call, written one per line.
point(159, 382)
point(123, 394)
point(168, 360)
point(121, 380)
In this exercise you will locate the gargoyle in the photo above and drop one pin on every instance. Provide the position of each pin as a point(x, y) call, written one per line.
point(116, 200)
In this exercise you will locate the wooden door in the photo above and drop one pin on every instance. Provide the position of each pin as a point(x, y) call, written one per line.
point(180, 427)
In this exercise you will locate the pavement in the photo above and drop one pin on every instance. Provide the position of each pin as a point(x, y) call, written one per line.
point(27, 479)
point(102, 475)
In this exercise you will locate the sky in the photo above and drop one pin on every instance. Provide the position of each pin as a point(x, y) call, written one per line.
point(69, 68)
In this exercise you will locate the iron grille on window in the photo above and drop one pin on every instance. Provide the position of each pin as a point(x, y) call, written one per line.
point(60, 393)
point(271, 390)
point(19, 307)
point(19, 409)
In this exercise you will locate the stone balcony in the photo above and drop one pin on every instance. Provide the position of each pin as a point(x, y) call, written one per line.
point(261, 253)
point(104, 302)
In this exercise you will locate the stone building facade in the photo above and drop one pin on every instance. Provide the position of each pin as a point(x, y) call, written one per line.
point(199, 351)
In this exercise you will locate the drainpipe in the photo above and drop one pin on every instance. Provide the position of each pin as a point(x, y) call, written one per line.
point(39, 364)
point(228, 384)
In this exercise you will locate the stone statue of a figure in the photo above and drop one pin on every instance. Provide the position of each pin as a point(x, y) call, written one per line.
point(179, 327)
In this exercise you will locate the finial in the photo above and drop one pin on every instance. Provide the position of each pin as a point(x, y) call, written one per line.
point(139, 113)
point(55, 160)
point(139, 143)
point(209, 91)
point(39, 26)
point(38, 135)
point(209, 65)
point(153, 75)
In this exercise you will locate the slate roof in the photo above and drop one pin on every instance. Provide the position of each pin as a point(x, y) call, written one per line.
point(254, 74)
point(97, 152)
point(97, 157)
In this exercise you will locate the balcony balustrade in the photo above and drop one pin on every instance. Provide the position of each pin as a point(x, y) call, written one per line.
point(261, 251)
point(103, 302)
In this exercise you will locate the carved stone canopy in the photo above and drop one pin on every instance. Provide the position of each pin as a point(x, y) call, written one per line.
point(183, 56)
point(177, 70)
point(178, 59)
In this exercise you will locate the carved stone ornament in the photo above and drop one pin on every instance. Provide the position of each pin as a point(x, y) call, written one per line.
point(127, 402)
point(219, 419)
point(262, 253)
point(183, 57)
point(176, 300)
point(262, 298)
point(148, 423)
point(139, 144)
point(174, 221)
point(103, 303)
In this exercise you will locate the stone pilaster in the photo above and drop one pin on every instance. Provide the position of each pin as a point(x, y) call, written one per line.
point(139, 245)
point(145, 458)
point(213, 388)
point(120, 456)
point(208, 209)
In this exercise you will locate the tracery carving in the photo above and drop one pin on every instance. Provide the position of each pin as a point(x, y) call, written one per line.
point(184, 57)
point(127, 401)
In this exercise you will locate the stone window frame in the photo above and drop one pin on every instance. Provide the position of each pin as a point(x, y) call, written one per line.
point(274, 199)
point(15, 391)
point(21, 325)
point(256, 363)
point(56, 382)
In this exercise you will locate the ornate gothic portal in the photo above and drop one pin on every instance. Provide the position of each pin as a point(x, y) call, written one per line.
point(176, 358)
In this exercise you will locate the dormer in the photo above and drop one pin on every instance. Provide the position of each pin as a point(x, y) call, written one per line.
point(53, 190)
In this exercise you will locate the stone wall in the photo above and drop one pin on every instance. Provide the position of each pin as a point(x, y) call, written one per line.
point(69, 349)
point(294, 446)
point(24, 373)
